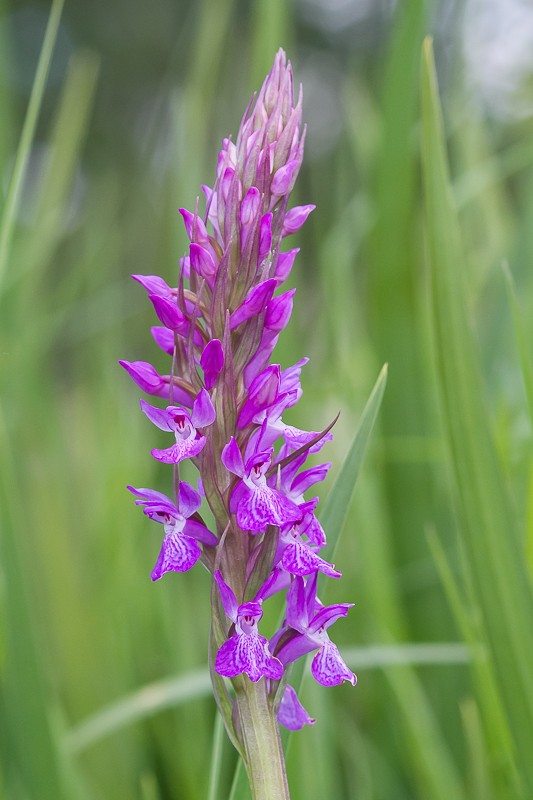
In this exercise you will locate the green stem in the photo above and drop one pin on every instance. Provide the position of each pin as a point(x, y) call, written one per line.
point(265, 762)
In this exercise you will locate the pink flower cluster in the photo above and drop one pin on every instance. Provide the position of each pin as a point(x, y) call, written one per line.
point(226, 403)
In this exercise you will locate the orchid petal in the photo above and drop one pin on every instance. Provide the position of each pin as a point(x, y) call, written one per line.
point(198, 530)
point(164, 338)
point(212, 361)
point(159, 417)
point(229, 601)
point(189, 500)
point(178, 553)
point(232, 459)
point(329, 669)
point(203, 413)
point(265, 506)
point(248, 654)
point(184, 448)
point(254, 303)
point(291, 713)
point(295, 218)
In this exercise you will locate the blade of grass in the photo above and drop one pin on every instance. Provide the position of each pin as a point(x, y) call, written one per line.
point(28, 131)
point(171, 692)
point(489, 533)
point(215, 769)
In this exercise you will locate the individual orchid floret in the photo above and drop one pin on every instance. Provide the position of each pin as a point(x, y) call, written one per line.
point(180, 549)
point(150, 381)
point(184, 425)
point(291, 713)
point(310, 622)
point(255, 503)
point(212, 361)
point(295, 218)
point(297, 556)
point(246, 651)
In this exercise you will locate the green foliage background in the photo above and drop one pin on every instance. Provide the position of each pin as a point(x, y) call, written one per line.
point(103, 692)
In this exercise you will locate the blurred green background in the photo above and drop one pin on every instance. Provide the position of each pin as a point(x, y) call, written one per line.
point(119, 128)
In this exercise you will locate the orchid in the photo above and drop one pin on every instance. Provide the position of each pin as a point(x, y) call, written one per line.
point(225, 403)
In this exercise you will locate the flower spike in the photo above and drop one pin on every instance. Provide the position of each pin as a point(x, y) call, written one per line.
point(226, 409)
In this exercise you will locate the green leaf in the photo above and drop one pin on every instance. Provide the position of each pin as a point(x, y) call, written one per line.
point(489, 530)
point(26, 139)
point(338, 501)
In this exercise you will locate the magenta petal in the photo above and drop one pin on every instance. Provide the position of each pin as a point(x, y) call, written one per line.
point(265, 236)
point(184, 448)
point(178, 554)
point(297, 611)
point(203, 413)
point(279, 311)
point(169, 313)
point(291, 713)
point(295, 218)
point(325, 618)
point(153, 284)
point(229, 601)
point(163, 338)
point(202, 263)
point(158, 416)
point(250, 206)
point(150, 496)
point(283, 180)
point(285, 264)
point(197, 530)
point(299, 559)
point(309, 477)
point(194, 225)
point(232, 459)
point(329, 669)
point(189, 500)
point(145, 376)
point(212, 361)
point(248, 654)
point(261, 394)
point(265, 506)
point(254, 303)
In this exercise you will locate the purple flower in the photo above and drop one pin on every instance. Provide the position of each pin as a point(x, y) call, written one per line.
point(221, 315)
point(246, 651)
point(299, 557)
point(291, 713)
point(255, 503)
point(310, 622)
point(180, 549)
point(184, 425)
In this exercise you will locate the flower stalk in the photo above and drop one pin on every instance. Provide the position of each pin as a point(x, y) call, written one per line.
point(224, 406)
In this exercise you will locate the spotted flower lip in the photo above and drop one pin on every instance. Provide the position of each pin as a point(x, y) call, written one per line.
point(183, 424)
point(246, 651)
point(299, 557)
point(180, 549)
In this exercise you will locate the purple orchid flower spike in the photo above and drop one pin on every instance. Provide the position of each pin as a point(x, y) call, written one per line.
point(180, 549)
point(254, 502)
point(184, 425)
point(310, 622)
point(246, 651)
point(221, 314)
